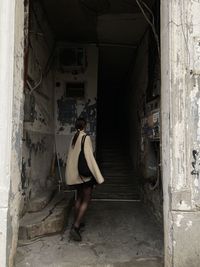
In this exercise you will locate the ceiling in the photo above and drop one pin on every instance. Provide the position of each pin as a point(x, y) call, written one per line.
point(105, 22)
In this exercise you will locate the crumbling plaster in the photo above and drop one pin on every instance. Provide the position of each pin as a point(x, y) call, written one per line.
point(84, 107)
point(17, 129)
point(180, 128)
point(11, 117)
point(38, 134)
point(142, 150)
point(180, 137)
point(138, 85)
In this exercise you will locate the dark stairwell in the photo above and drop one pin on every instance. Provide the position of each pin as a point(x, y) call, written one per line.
point(113, 153)
point(115, 164)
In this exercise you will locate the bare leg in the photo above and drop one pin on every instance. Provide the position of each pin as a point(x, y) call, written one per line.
point(86, 198)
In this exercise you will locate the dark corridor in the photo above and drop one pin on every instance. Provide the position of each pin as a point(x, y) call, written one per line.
point(113, 146)
point(110, 74)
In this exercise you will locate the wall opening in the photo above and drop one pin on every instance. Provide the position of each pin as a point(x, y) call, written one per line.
point(129, 113)
point(100, 61)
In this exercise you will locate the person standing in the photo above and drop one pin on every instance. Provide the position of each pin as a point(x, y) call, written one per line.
point(83, 185)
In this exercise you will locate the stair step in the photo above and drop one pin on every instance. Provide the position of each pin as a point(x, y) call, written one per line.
point(124, 196)
point(113, 163)
point(112, 159)
point(121, 182)
point(116, 169)
point(116, 174)
point(116, 166)
point(39, 202)
point(117, 187)
point(51, 219)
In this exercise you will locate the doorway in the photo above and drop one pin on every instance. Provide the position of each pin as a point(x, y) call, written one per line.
point(62, 84)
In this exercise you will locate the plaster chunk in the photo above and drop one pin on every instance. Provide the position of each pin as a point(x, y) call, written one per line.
point(184, 206)
point(196, 182)
point(179, 219)
point(189, 225)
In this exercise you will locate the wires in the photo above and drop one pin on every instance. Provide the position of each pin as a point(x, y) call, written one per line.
point(37, 84)
point(151, 23)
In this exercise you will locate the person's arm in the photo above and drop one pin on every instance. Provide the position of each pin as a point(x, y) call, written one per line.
point(92, 164)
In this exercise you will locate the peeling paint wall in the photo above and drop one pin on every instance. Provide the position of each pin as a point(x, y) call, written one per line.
point(184, 91)
point(144, 152)
point(180, 31)
point(38, 133)
point(17, 129)
point(137, 98)
point(67, 109)
point(11, 122)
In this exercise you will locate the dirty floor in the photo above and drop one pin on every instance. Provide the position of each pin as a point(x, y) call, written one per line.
point(117, 234)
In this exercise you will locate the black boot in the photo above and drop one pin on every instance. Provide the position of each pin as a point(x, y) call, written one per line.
point(82, 225)
point(75, 234)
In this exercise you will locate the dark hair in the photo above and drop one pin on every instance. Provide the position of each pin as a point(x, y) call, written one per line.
point(79, 125)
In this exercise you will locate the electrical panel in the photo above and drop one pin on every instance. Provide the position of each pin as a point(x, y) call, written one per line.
point(151, 122)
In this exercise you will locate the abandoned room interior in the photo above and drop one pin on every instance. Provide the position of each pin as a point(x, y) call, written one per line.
point(99, 60)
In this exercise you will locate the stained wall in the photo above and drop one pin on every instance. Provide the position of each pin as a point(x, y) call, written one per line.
point(144, 149)
point(180, 33)
point(71, 108)
point(38, 134)
point(11, 120)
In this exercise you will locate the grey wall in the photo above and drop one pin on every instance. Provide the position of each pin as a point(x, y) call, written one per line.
point(44, 132)
point(84, 107)
point(141, 148)
point(180, 131)
point(11, 122)
point(137, 91)
point(38, 135)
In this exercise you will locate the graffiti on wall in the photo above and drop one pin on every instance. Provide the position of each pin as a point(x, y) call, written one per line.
point(67, 110)
point(68, 113)
point(195, 163)
point(90, 114)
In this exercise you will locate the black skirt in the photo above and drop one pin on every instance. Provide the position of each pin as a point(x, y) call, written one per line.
point(89, 183)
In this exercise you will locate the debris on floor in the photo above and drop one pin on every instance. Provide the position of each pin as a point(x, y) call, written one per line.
point(116, 234)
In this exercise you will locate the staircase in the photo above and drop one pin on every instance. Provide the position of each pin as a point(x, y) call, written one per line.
point(115, 164)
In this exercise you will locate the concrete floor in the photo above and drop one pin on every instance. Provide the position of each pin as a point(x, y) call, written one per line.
point(116, 234)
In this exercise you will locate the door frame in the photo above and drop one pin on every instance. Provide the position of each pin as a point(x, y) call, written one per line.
point(11, 121)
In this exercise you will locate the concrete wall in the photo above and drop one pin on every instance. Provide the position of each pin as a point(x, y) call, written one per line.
point(142, 150)
point(137, 97)
point(11, 119)
point(38, 134)
point(85, 107)
point(17, 130)
point(180, 34)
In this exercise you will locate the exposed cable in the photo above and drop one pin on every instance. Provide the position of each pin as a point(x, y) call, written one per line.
point(37, 33)
point(39, 24)
point(150, 11)
point(37, 84)
point(140, 3)
point(153, 187)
